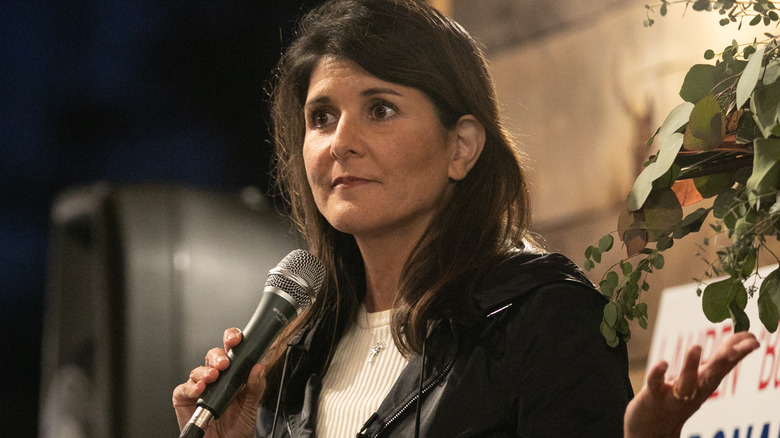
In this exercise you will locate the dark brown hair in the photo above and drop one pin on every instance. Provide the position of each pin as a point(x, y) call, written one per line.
point(409, 43)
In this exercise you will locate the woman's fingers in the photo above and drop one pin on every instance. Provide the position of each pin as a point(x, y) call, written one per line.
point(204, 374)
point(217, 358)
point(734, 349)
point(187, 393)
point(686, 386)
point(185, 397)
point(231, 338)
point(655, 378)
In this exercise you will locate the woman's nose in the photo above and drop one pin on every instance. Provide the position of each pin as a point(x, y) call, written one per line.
point(347, 139)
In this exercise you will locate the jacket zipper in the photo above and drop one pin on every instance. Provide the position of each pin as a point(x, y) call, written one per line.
point(427, 388)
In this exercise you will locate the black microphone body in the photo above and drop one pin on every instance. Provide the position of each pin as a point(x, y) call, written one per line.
point(290, 288)
point(271, 316)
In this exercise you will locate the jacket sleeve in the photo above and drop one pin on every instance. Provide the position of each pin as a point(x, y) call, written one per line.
point(567, 381)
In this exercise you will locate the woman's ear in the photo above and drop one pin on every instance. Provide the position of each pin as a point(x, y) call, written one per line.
point(467, 140)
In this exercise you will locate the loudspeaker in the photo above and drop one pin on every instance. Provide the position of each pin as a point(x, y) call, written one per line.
point(142, 281)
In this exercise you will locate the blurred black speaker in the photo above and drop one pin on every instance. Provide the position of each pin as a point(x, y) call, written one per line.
point(142, 282)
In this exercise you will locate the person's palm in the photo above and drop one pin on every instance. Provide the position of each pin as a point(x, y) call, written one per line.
point(661, 408)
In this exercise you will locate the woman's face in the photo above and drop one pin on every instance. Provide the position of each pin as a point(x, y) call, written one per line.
point(376, 156)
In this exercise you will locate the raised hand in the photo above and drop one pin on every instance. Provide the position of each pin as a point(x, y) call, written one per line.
point(661, 408)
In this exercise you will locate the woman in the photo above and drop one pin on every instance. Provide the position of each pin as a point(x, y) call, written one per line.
point(439, 315)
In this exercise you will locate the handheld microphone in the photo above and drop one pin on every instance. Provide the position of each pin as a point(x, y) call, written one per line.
point(291, 287)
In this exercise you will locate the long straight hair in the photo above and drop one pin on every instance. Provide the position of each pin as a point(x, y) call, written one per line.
point(406, 42)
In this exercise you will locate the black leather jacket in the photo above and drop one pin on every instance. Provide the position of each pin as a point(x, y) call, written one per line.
point(536, 366)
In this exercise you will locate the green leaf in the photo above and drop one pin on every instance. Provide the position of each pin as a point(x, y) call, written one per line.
point(626, 267)
point(691, 223)
point(706, 127)
point(769, 301)
point(605, 243)
point(666, 180)
point(739, 318)
point(622, 326)
point(723, 202)
point(700, 81)
point(712, 185)
point(742, 227)
point(776, 206)
point(596, 255)
point(664, 243)
point(702, 5)
point(611, 314)
point(662, 212)
point(671, 142)
point(741, 296)
point(771, 72)
point(631, 232)
point(716, 298)
point(612, 279)
point(658, 261)
point(747, 128)
point(764, 105)
point(670, 146)
point(749, 79)
point(766, 169)
point(748, 266)
point(610, 335)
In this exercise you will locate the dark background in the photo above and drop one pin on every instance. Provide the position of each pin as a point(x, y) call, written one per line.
point(123, 92)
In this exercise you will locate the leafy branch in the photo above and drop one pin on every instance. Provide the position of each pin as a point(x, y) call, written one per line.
point(722, 143)
point(733, 11)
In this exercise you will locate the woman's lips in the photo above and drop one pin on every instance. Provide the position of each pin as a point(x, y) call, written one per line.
point(348, 181)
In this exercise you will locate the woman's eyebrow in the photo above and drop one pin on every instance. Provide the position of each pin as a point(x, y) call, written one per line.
point(379, 90)
point(365, 93)
point(317, 100)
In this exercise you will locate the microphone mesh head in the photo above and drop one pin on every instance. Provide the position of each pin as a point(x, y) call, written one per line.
point(307, 268)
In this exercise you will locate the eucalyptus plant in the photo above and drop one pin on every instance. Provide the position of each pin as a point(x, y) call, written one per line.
point(722, 144)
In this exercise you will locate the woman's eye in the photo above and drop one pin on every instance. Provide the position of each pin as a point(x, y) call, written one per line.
point(320, 118)
point(382, 111)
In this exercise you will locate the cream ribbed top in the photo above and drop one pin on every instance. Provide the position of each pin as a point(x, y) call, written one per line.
point(353, 388)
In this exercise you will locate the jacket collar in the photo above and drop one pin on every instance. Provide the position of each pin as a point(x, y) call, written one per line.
point(522, 273)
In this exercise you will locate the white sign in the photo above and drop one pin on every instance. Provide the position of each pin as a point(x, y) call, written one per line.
point(747, 403)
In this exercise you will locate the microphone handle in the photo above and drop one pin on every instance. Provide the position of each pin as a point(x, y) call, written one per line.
point(275, 311)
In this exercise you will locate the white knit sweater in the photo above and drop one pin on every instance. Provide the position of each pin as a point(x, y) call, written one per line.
point(353, 387)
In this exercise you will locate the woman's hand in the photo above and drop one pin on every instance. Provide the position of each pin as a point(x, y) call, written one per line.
point(239, 418)
point(661, 408)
